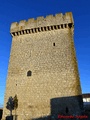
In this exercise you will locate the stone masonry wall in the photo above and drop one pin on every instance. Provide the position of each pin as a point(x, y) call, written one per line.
point(50, 56)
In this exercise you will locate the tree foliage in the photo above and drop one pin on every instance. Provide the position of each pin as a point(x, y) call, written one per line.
point(10, 104)
point(15, 100)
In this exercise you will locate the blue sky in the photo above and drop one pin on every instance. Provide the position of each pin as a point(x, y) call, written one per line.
point(16, 10)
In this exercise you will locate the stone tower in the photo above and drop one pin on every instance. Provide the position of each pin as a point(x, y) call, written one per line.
point(43, 70)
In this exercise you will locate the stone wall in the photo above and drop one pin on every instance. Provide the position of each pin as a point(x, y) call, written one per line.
point(49, 56)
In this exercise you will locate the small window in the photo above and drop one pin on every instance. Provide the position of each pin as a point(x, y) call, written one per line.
point(41, 28)
point(35, 30)
point(29, 73)
point(51, 27)
point(45, 29)
point(65, 25)
point(38, 29)
point(55, 27)
point(58, 26)
point(53, 44)
point(61, 25)
point(67, 110)
point(70, 25)
point(48, 27)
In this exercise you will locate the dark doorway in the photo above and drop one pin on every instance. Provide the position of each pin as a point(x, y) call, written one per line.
point(67, 110)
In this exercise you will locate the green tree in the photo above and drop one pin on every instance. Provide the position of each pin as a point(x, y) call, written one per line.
point(15, 100)
point(10, 105)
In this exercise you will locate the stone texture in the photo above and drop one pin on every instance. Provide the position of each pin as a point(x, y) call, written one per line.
point(54, 69)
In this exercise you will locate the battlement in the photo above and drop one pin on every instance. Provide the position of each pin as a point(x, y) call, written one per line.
point(50, 22)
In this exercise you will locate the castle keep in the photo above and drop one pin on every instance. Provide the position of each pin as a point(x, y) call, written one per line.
point(43, 70)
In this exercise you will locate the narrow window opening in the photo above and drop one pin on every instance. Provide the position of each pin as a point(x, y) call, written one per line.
point(65, 25)
point(29, 73)
point(27, 31)
point(32, 30)
point(41, 29)
point(17, 33)
point(38, 29)
point(23, 31)
point(51, 27)
point(62, 26)
point(67, 110)
point(70, 25)
point(45, 28)
point(53, 44)
point(20, 32)
point(13, 34)
point(58, 27)
point(35, 30)
point(55, 27)
point(48, 27)
point(16, 84)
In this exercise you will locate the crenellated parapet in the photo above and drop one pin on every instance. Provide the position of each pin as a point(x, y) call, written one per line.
point(50, 22)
